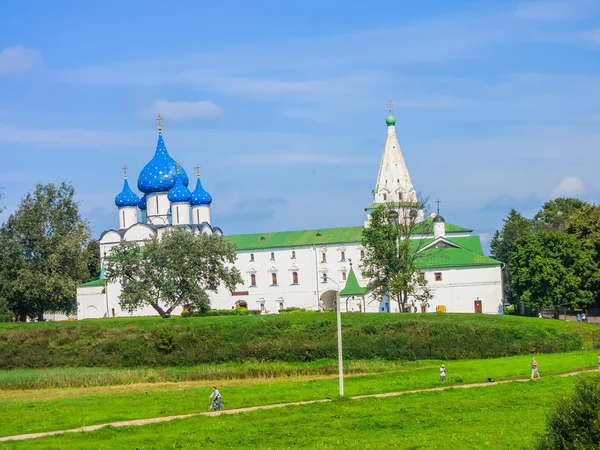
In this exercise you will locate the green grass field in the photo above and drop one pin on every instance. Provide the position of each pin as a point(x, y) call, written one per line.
point(54, 409)
point(507, 416)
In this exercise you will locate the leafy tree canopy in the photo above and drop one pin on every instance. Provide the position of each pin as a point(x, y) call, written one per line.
point(575, 425)
point(177, 270)
point(391, 261)
point(553, 268)
point(42, 252)
point(555, 212)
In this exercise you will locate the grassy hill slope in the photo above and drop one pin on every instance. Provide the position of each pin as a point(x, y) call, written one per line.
point(146, 342)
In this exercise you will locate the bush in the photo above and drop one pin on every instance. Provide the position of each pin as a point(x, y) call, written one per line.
point(576, 422)
point(222, 312)
point(294, 309)
point(240, 336)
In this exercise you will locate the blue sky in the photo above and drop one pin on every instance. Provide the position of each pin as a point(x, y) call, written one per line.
point(283, 103)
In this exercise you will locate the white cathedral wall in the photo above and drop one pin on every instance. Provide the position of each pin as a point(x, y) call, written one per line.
point(309, 265)
point(461, 287)
point(91, 302)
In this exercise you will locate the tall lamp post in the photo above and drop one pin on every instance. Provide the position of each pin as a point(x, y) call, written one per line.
point(339, 338)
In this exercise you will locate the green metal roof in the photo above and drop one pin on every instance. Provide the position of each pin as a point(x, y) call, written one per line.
point(99, 282)
point(454, 257)
point(279, 239)
point(296, 238)
point(352, 287)
point(427, 226)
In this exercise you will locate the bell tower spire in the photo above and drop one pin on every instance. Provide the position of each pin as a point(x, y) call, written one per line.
point(394, 186)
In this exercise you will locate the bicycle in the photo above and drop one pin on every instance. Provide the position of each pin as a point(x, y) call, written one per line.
point(212, 406)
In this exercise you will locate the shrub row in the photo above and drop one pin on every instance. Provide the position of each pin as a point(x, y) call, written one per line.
point(194, 341)
point(222, 312)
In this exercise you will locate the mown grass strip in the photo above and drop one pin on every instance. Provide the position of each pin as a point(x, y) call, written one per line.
point(31, 415)
point(506, 416)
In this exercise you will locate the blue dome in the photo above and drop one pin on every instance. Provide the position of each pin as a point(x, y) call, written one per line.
point(142, 204)
point(179, 193)
point(127, 197)
point(160, 173)
point(200, 196)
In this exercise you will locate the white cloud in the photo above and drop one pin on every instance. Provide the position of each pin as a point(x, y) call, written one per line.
point(569, 187)
point(485, 238)
point(182, 110)
point(553, 10)
point(18, 59)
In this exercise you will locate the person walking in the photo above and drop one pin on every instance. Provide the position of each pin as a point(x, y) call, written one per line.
point(215, 398)
point(534, 368)
point(443, 372)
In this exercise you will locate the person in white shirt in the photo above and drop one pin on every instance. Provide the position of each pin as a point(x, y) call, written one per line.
point(216, 398)
point(443, 373)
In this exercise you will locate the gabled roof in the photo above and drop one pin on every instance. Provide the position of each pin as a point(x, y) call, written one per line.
point(92, 283)
point(352, 287)
point(279, 239)
point(426, 227)
point(323, 236)
point(453, 257)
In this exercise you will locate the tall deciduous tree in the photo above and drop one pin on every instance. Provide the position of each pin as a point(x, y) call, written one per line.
point(92, 256)
point(42, 252)
point(392, 256)
point(176, 270)
point(555, 212)
point(503, 244)
point(548, 269)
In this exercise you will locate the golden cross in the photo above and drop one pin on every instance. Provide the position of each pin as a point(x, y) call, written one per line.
point(159, 119)
point(438, 201)
point(198, 167)
point(124, 170)
point(178, 164)
point(390, 105)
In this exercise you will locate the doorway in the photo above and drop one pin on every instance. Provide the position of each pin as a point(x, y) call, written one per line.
point(478, 309)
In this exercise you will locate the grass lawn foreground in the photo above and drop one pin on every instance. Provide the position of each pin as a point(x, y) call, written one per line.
point(55, 409)
point(505, 416)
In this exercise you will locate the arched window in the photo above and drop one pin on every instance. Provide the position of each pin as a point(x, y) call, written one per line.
point(251, 257)
point(342, 256)
point(272, 255)
point(294, 277)
point(274, 279)
point(280, 305)
point(324, 278)
point(293, 254)
point(362, 253)
point(252, 280)
point(324, 257)
point(384, 197)
point(343, 276)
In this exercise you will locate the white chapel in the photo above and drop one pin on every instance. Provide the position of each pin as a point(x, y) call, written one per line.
point(308, 268)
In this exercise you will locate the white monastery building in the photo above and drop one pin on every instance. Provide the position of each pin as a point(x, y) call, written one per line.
point(308, 268)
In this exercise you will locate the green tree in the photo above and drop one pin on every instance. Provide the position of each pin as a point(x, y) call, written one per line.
point(503, 244)
point(392, 256)
point(177, 270)
point(42, 252)
point(575, 425)
point(92, 257)
point(555, 212)
point(548, 269)
point(585, 224)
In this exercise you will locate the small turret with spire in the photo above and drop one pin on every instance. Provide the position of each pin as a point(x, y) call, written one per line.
point(127, 202)
point(200, 202)
point(179, 196)
point(439, 224)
